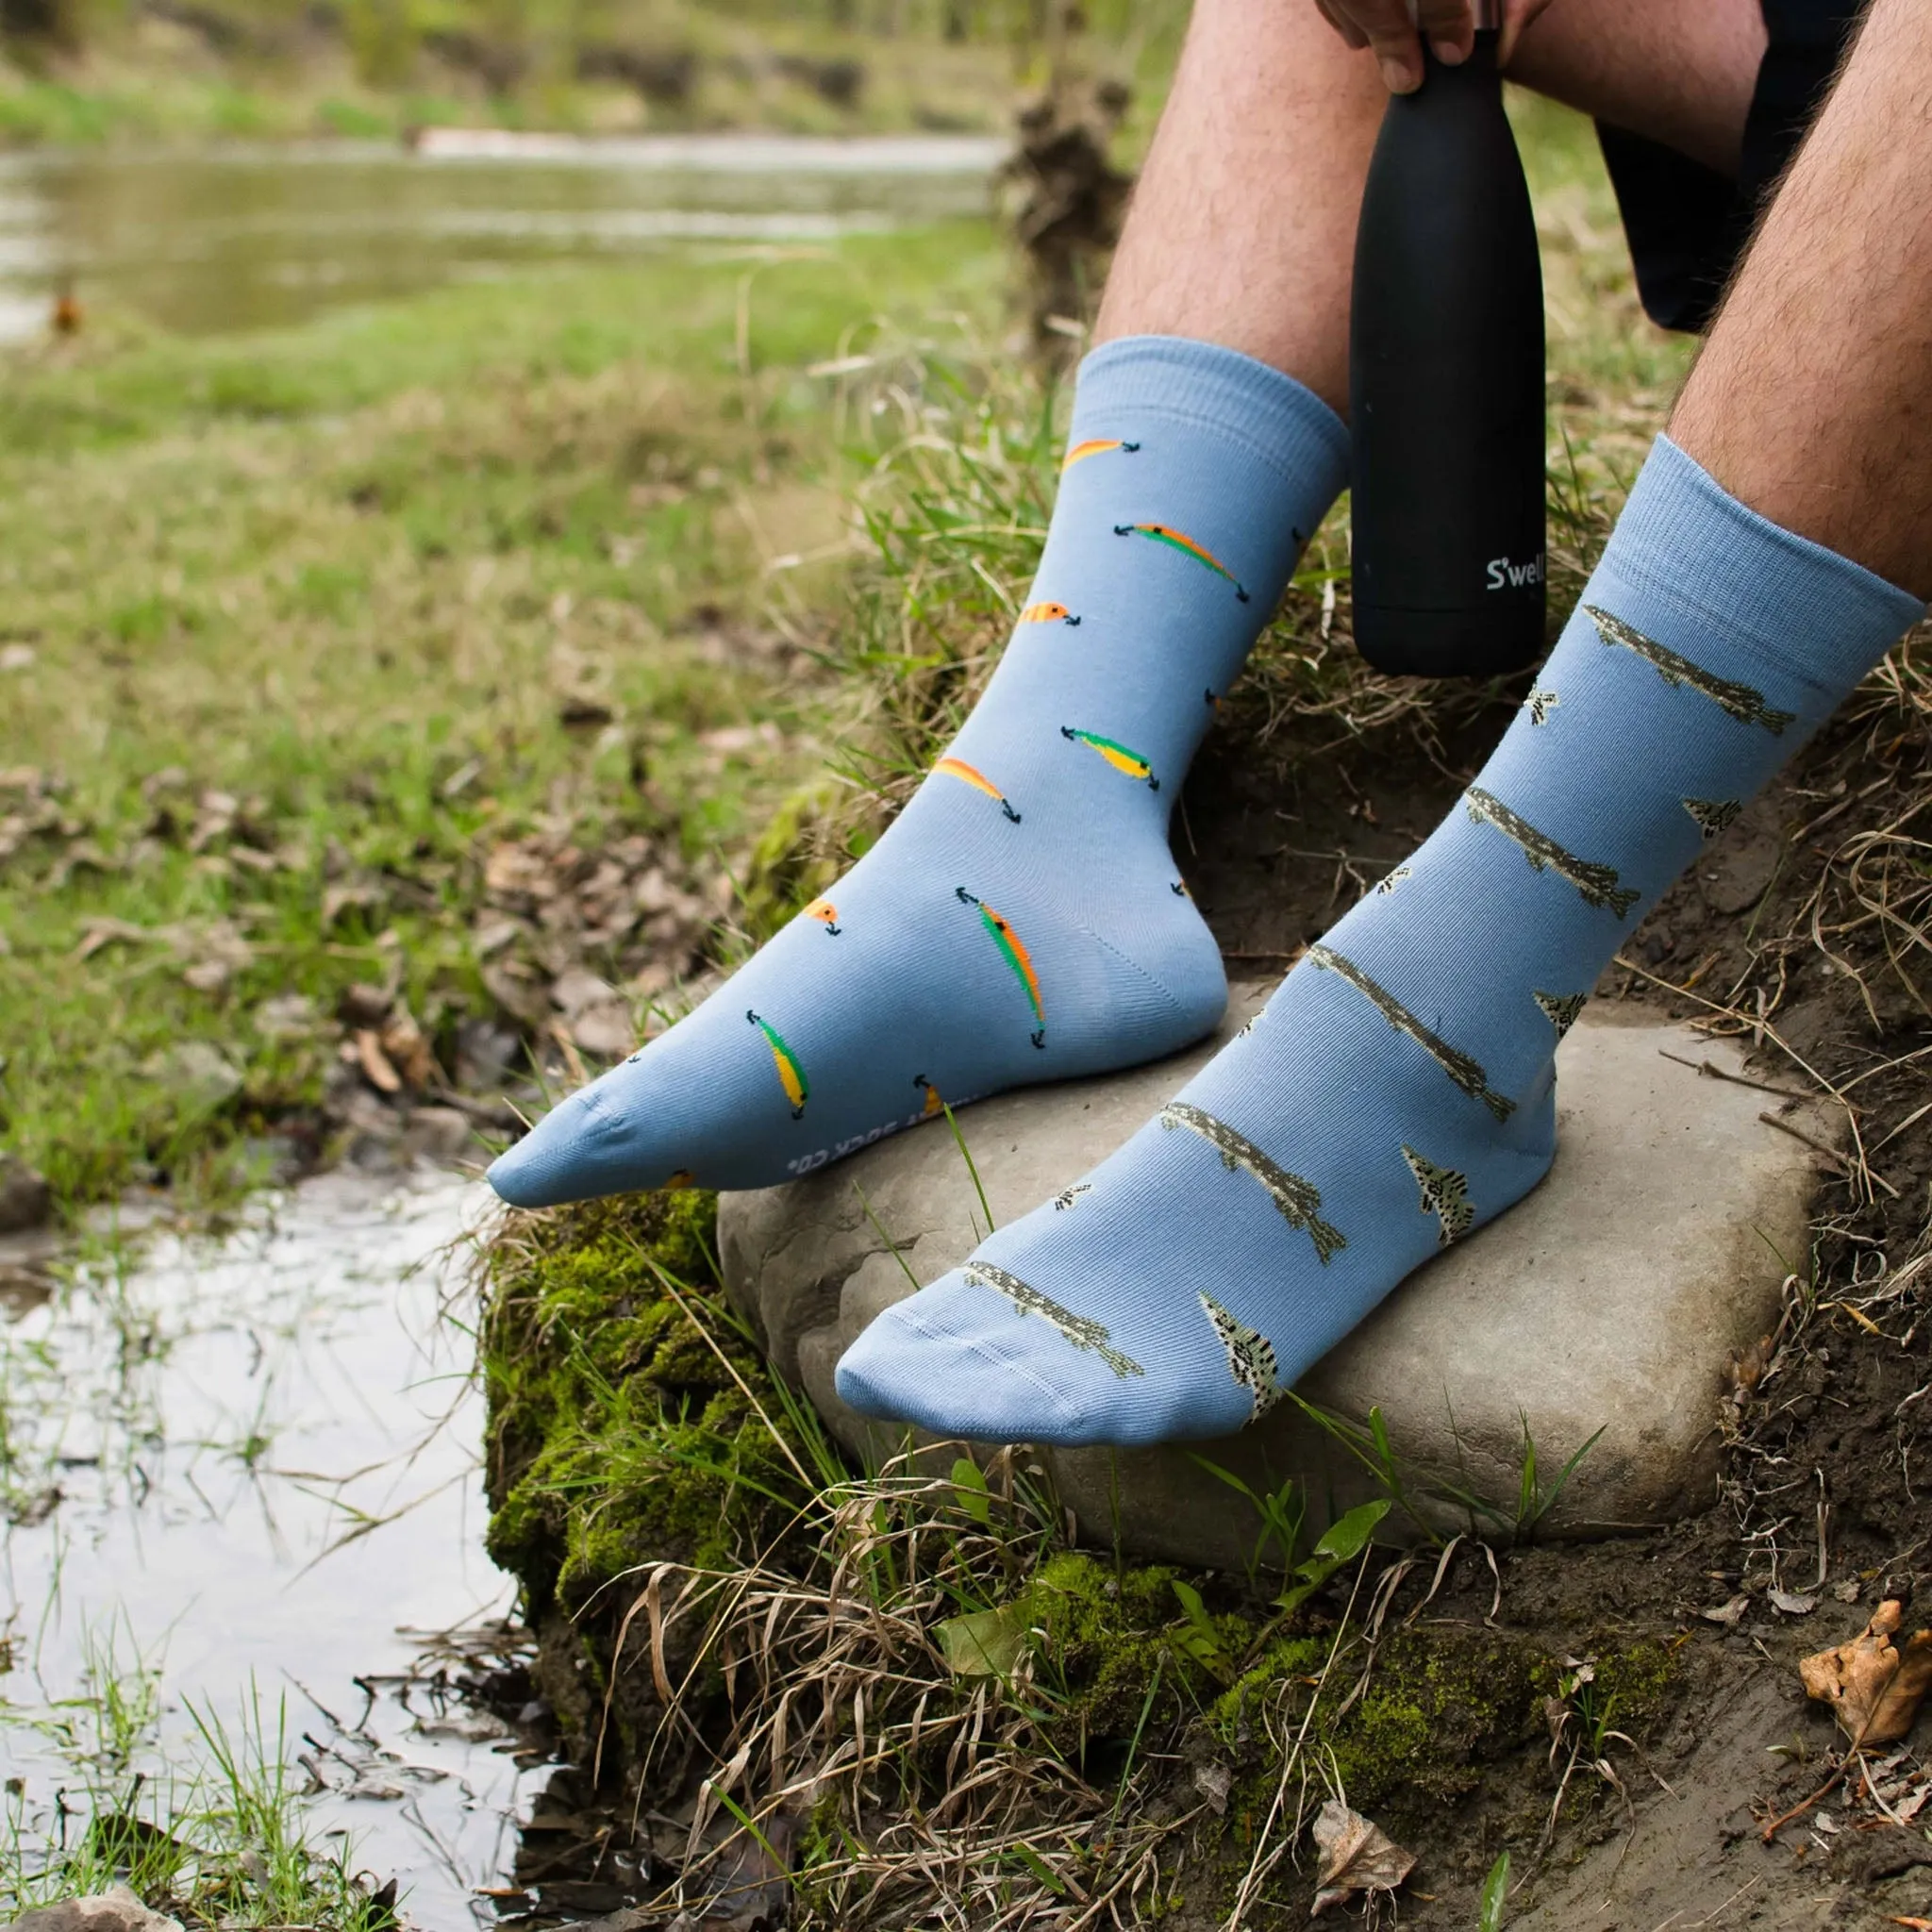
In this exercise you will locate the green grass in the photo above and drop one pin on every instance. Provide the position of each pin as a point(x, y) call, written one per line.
point(213, 1833)
point(345, 575)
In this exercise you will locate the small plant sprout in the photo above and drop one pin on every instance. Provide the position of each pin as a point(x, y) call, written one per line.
point(1495, 1896)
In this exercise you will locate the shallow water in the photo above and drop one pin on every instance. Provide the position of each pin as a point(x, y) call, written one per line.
point(251, 236)
point(191, 1443)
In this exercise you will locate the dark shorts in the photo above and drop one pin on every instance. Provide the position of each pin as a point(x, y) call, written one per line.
point(1688, 225)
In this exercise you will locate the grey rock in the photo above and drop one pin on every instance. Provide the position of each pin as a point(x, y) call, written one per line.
point(199, 1075)
point(439, 1134)
point(1610, 1299)
point(117, 1909)
point(26, 1200)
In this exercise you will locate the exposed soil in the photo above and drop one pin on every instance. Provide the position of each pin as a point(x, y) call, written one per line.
point(1809, 915)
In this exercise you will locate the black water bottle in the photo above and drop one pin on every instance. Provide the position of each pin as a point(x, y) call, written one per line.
point(1446, 384)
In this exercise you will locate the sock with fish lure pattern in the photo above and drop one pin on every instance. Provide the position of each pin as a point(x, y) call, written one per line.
point(1022, 920)
point(1399, 1088)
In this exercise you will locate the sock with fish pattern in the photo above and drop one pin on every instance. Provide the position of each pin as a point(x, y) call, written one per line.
point(1399, 1088)
point(1022, 920)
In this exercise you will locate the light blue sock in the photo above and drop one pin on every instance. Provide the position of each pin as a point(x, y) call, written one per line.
point(1398, 1090)
point(1023, 919)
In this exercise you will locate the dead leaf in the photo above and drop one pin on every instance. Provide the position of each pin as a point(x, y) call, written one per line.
point(985, 1643)
point(1357, 1856)
point(406, 1048)
point(375, 1063)
point(337, 900)
point(1782, 1600)
point(1730, 1615)
point(1214, 1782)
point(1873, 1686)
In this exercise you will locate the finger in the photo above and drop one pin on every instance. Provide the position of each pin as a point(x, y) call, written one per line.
point(1517, 15)
point(1350, 33)
point(1385, 27)
point(1450, 29)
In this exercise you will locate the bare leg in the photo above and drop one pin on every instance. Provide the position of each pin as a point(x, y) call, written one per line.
point(1242, 230)
point(1811, 401)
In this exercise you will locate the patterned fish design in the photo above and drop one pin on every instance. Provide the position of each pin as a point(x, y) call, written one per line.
point(1739, 701)
point(1176, 539)
point(959, 769)
point(1713, 815)
point(1597, 885)
point(826, 914)
point(1015, 955)
point(1446, 1194)
point(1463, 1069)
point(1095, 446)
point(1540, 704)
point(1561, 1009)
point(1298, 1201)
point(1067, 1196)
point(1394, 879)
point(934, 1105)
point(1251, 1358)
point(790, 1074)
point(1119, 756)
point(1048, 613)
point(1078, 1331)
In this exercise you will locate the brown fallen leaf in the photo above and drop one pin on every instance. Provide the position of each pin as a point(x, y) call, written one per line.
point(406, 1048)
point(1873, 1686)
point(1357, 1856)
point(375, 1064)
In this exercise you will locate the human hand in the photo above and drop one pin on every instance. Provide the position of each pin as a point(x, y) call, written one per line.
point(1385, 27)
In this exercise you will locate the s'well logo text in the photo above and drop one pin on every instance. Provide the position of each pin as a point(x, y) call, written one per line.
point(1505, 575)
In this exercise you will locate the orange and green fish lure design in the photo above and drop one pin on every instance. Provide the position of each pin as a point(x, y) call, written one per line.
point(1015, 955)
point(1175, 539)
point(826, 914)
point(790, 1074)
point(1048, 613)
point(1118, 756)
point(959, 769)
point(933, 1103)
point(1095, 446)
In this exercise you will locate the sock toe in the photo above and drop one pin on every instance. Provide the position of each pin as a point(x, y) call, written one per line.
point(944, 1364)
point(576, 1152)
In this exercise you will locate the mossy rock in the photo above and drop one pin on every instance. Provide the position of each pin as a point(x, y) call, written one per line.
point(616, 1436)
point(1112, 1650)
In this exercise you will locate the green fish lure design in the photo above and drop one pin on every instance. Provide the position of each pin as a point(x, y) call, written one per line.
point(1176, 539)
point(1124, 760)
point(1015, 955)
point(790, 1074)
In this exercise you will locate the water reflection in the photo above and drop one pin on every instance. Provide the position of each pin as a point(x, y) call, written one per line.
point(256, 236)
point(255, 1463)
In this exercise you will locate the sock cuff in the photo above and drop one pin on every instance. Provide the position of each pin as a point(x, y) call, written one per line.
point(1816, 615)
point(1279, 421)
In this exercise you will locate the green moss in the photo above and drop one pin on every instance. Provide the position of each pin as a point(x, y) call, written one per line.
point(616, 1435)
point(1444, 1700)
point(1113, 1650)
